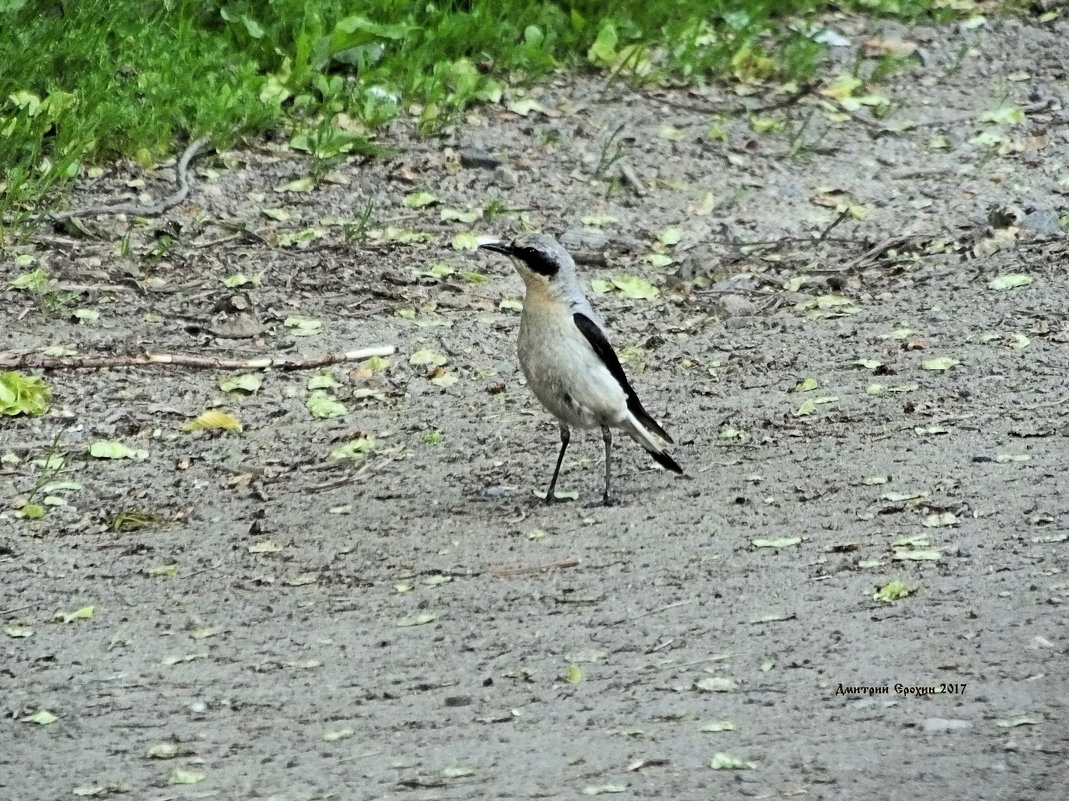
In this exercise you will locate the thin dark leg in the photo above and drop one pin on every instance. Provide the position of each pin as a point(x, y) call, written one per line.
point(565, 437)
point(606, 434)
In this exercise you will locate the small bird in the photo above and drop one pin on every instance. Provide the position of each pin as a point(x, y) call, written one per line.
point(567, 359)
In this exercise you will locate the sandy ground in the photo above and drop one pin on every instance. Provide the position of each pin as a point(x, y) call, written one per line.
point(412, 623)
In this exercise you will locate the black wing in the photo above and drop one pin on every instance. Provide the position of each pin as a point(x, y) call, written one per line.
point(596, 337)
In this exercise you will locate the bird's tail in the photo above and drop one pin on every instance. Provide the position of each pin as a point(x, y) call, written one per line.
point(647, 435)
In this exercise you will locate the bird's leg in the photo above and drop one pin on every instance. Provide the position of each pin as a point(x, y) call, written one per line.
point(606, 434)
point(565, 437)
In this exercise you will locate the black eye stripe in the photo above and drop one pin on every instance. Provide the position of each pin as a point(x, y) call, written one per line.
point(538, 262)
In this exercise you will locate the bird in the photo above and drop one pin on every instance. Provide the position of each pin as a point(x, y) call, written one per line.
point(567, 360)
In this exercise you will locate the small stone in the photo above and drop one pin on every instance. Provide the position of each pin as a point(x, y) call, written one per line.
point(479, 158)
point(735, 306)
point(505, 177)
point(458, 700)
point(1043, 221)
point(945, 725)
point(584, 239)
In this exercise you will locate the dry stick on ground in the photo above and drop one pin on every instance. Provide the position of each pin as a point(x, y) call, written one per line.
point(525, 571)
point(142, 211)
point(28, 360)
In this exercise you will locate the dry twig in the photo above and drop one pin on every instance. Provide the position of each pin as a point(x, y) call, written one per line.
point(12, 360)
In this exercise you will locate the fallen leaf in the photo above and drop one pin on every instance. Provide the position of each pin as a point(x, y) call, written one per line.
point(939, 363)
point(42, 717)
point(212, 419)
point(722, 761)
point(1009, 281)
point(417, 619)
point(418, 200)
point(892, 591)
point(84, 613)
point(778, 542)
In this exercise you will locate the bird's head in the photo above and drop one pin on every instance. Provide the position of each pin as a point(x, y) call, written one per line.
point(541, 261)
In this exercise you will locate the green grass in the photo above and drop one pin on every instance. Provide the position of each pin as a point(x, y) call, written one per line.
point(86, 82)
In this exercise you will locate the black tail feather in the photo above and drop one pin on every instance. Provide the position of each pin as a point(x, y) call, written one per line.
point(644, 418)
point(665, 461)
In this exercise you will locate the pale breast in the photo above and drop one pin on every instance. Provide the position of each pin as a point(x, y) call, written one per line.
point(565, 374)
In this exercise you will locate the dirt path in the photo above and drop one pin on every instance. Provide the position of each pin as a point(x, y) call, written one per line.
point(415, 625)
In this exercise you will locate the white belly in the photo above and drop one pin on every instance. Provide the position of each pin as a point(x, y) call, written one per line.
point(566, 375)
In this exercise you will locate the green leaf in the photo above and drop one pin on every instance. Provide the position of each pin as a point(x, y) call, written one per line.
point(635, 287)
point(574, 674)
point(465, 241)
point(323, 381)
point(602, 52)
point(240, 279)
point(457, 772)
point(892, 591)
point(658, 260)
point(354, 449)
point(417, 619)
point(110, 449)
point(182, 776)
point(279, 214)
point(1009, 281)
point(18, 632)
point(1004, 115)
point(418, 200)
point(716, 726)
point(23, 394)
point(35, 280)
point(939, 363)
point(325, 406)
point(722, 761)
point(42, 717)
point(428, 356)
point(302, 326)
point(337, 734)
point(213, 419)
point(31, 511)
point(306, 184)
point(246, 382)
point(670, 236)
point(806, 385)
point(456, 215)
point(84, 613)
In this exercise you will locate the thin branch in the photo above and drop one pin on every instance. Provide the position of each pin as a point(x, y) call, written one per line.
point(525, 571)
point(11, 360)
point(166, 204)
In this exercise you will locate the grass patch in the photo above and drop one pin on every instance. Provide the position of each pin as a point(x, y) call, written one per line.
point(87, 82)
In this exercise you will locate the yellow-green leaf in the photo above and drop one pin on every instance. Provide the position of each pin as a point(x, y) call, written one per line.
point(42, 717)
point(892, 591)
point(84, 613)
point(939, 363)
point(418, 200)
point(722, 761)
point(213, 418)
point(1009, 281)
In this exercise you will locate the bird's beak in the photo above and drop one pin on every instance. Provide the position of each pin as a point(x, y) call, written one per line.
point(497, 247)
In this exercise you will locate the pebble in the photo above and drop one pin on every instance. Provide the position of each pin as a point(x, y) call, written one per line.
point(479, 158)
point(505, 177)
point(584, 239)
point(735, 306)
point(945, 725)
